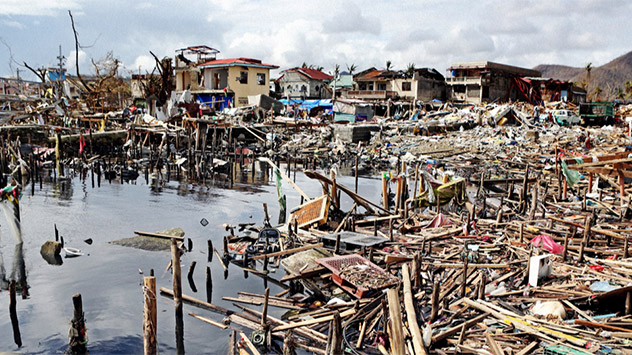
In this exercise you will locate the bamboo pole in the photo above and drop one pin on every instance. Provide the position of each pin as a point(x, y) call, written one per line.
point(150, 318)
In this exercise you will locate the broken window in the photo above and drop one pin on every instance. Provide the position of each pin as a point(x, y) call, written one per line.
point(362, 86)
point(261, 78)
point(381, 86)
point(459, 88)
point(243, 77)
point(370, 86)
point(406, 86)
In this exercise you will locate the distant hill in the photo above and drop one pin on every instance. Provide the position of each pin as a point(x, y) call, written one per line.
point(609, 77)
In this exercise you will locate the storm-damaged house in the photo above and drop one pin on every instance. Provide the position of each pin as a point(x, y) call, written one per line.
point(221, 83)
point(558, 90)
point(304, 83)
point(423, 84)
point(372, 84)
point(478, 82)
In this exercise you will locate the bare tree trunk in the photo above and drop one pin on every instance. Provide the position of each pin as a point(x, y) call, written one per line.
point(77, 53)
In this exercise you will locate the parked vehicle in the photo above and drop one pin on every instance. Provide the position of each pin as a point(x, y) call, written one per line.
point(561, 117)
point(597, 113)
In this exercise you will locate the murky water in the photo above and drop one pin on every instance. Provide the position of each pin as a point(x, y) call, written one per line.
point(108, 276)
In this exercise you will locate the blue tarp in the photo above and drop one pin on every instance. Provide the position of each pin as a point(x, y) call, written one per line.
point(53, 75)
point(309, 104)
point(221, 102)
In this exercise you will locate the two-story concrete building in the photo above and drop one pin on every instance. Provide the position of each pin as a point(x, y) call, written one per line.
point(372, 84)
point(222, 82)
point(424, 84)
point(478, 82)
point(304, 83)
point(420, 84)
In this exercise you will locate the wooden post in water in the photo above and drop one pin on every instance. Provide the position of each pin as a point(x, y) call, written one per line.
point(210, 250)
point(175, 264)
point(334, 190)
point(384, 192)
point(356, 174)
point(78, 327)
point(58, 154)
point(177, 295)
point(150, 316)
point(209, 285)
point(264, 312)
point(17, 338)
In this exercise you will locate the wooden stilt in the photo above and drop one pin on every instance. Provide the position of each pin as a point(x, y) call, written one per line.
point(150, 316)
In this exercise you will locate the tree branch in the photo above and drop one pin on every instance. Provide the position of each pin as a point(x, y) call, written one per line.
point(85, 86)
point(41, 73)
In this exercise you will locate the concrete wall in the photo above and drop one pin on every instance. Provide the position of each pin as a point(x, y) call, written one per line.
point(209, 78)
point(313, 88)
point(242, 91)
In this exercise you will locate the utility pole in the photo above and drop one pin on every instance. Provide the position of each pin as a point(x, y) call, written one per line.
point(61, 71)
point(19, 81)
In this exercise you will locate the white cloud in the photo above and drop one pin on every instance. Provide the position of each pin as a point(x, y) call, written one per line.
point(142, 63)
point(71, 60)
point(14, 24)
point(36, 7)
point(144, 6)
point(350, 19)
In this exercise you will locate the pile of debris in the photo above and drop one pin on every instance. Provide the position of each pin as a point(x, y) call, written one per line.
point(491, 240)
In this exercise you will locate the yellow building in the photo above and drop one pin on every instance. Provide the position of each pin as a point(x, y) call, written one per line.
point(224, 82)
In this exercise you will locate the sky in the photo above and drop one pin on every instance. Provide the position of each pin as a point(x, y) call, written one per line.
point(323, 33)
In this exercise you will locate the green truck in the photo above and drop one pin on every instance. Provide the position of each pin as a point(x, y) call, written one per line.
point(600, 113)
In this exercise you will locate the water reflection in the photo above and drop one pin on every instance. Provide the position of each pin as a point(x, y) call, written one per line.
point(18, 272)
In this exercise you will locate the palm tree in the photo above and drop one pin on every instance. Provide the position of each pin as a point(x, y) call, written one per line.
point(410, 70)
point(597, 92)
point(351, 68)
point(628, 89)
point(388, 65)
point(588, 70)
point(336, 74)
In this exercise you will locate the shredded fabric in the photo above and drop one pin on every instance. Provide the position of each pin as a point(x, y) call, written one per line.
point(546, 242)
point(572, 176)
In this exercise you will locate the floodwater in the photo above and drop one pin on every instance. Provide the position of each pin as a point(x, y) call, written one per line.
point(109, 276)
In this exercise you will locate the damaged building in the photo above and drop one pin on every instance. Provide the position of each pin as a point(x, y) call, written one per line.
point(478, 82)
point(418, 84)
point(304, 83)
point(221, 83)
